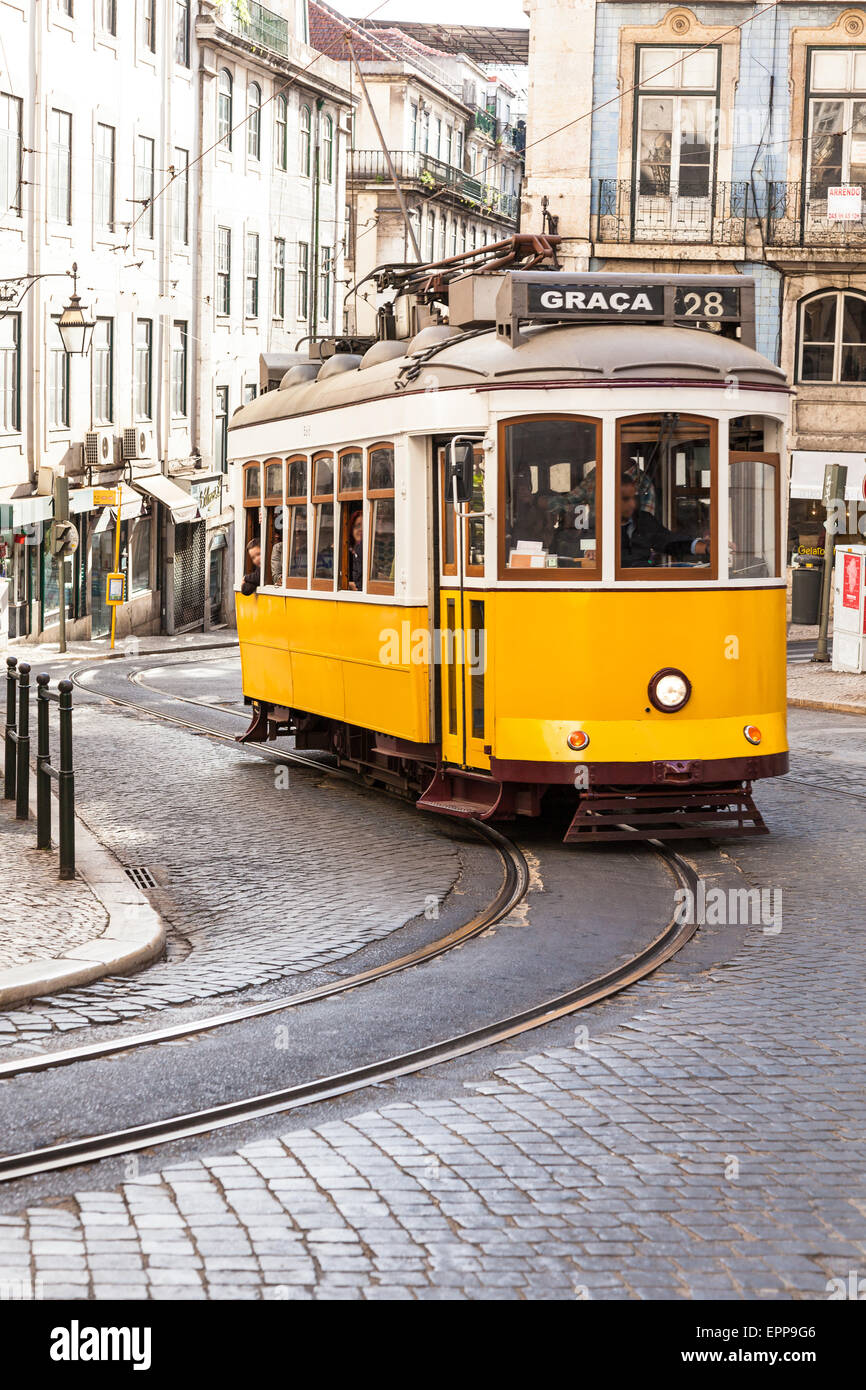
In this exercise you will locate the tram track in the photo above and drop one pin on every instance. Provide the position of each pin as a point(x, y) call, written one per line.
point(176, 1127)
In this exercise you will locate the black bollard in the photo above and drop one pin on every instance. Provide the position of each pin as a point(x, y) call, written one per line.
point(8, 738)
point(22, 770)
point(43, 763)
point(66, 780)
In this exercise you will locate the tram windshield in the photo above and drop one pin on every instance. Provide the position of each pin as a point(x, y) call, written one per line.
point(665, 493)
point(550, 494)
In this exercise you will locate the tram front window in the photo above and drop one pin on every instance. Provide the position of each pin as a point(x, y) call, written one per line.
point(550, 494)
point(665, 493)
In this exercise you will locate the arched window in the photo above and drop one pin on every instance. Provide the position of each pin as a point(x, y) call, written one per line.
point(281, 133)
point(224, 109)
point(304, 146)
point(832, 338)
point(254, 120)
point(328, 149)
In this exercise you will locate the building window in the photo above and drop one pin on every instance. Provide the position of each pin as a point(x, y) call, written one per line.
point(103, 212)
point(303, 279)
point(458, 149)
point(60, 166)
point(281, 133)
point(142, 368)
point(413, 126)
point(325, 283)
point(328, 150)
point(10, 154)
point(144, 181)
point(836, 131)
point(279, 277)
point(178, 368)
point(108, 16)
point(254, 121)
point(224, 271)
point(224, 109)
point(425, 130)
point(181, 33)
point(674, 132)
point(148, 24)
point(139, 556)
point(221, 429)
point(180, 198)
point(251, 298)
point(250, 392)
point(10, 374)
point(65, 7)
point(102, 366)
point(443, 234)
point(431, 235)
point(304, 145)
point(58, 381)
point(833, 338)
point(438, 146)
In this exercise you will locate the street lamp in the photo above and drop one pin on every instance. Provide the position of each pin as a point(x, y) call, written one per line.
point(76, 329)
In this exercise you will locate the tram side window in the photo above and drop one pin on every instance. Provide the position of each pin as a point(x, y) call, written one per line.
point(272, 559)
point(323, 514)
point(380, 491)
point(296, 523)
point(350, 494)
point(474, 533)
point(753, 504)
point(252, 508)
point(551, 472)
point(665, 494)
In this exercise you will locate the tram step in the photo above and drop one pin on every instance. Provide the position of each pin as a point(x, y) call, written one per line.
point(462, 795)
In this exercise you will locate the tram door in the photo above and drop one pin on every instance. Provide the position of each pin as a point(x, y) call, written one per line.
point(462, 623)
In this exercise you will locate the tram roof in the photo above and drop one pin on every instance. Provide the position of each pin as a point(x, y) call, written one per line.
point(606, 353)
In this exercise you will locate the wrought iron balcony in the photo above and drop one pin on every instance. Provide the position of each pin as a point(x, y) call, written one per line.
point(797, 215)
point(625, 214)
point(485, 121)
point(414, 168)
point(263, 27)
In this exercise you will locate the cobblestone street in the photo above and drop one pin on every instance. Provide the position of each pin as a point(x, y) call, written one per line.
point(700, 1136)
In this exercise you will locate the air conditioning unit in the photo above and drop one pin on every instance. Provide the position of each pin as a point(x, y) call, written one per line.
point(99, 448)
point(138, 442)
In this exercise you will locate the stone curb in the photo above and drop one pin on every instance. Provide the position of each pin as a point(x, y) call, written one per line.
point(134, 936)
point(839, 707)
point(21, 652)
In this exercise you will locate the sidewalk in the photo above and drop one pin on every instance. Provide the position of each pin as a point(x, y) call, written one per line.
point(53, 934)
point(98, 649)
point(815, 685)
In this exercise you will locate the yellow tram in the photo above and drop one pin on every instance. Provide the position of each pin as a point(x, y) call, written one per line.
point(533, 554)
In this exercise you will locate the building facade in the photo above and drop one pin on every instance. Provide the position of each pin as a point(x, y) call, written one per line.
point(714, 137)
point(456, 143)
point(160, 146)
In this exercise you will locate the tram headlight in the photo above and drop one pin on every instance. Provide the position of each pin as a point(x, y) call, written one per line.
point(669, 690)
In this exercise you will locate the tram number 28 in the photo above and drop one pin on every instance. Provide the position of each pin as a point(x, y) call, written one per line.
point(707, 304)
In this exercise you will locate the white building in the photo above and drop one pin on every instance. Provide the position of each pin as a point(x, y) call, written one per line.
point(455, 144)
point(143, 141)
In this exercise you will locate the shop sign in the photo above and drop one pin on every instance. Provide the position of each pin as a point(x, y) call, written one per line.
point(208, 495)
point(845, 203)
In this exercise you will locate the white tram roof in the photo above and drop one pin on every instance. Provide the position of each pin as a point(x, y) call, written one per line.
point(603, 353)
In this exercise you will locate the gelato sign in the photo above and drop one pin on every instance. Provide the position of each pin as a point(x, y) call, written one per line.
point(208, 495)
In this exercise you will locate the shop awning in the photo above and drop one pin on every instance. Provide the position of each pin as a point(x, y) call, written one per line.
point(22, 511)
point(807, 473)
point(182, 506)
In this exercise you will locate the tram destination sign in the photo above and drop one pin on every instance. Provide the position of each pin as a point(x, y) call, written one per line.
point(721, 302)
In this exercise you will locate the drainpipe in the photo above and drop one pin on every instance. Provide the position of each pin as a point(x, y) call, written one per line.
point(34, 317)
point(313, 322)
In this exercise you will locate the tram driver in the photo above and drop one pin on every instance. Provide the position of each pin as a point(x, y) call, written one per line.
point(642, 537)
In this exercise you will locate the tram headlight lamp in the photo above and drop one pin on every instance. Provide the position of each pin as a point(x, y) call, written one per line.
point(669, 690)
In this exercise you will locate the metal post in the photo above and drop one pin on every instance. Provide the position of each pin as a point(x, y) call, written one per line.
point(66, 780)
point(9, 769)
point(835, 478)
point(22, 773)
point(43, 761)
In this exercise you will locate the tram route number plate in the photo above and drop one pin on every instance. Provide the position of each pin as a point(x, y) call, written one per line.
point(584, 300)
point(700, 303)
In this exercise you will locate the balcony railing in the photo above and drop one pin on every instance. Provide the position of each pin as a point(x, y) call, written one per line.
point(485, 121)
point(624, 214)
point(423, 170)
point(798, 216)
point(263, 27)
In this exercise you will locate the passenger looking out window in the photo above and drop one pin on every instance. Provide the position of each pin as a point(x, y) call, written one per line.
point(356, 551)
point(253, 575)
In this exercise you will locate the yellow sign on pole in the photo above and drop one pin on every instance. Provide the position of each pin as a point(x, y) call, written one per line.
point(105, 497)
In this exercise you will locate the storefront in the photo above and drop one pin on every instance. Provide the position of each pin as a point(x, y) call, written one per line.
point(23, 531)
point(806, 512)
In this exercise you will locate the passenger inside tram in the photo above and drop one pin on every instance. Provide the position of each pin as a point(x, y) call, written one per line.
point(253, 568)
point(550, 494)
point(355, 559)
point(666, 496)
point(644, 540)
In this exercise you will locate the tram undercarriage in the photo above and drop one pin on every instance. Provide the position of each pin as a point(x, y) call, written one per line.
point(624, 801)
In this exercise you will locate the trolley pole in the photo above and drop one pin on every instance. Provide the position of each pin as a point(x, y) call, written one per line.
point(9, 741)
point(116, 569)
point(835, 478)
point(22, 771)
point(66, 784)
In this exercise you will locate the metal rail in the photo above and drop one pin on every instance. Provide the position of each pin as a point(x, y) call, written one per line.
point(175, 1127)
